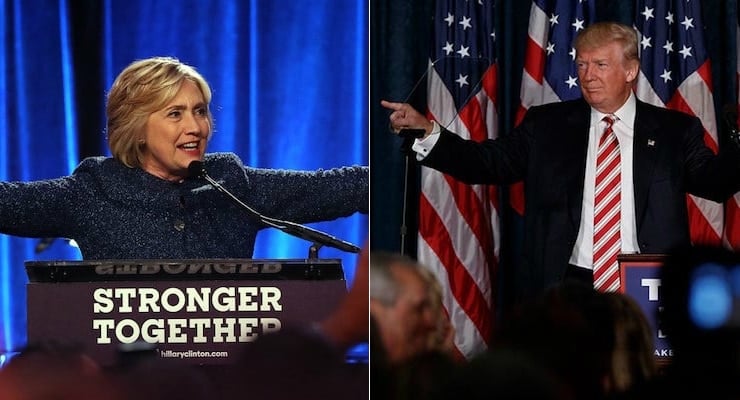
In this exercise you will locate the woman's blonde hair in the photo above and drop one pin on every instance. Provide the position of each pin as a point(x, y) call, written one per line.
point(142, 88)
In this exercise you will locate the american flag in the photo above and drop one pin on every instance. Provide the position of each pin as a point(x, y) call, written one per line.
point(459, 223)
point(549, 65)
point(675, 73)
point(732, 208)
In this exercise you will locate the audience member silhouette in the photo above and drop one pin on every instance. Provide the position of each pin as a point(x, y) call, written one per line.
point(503, 374)
point(633, 362)
point(413, 353)
point(146, 376)
point(401, 305)
point(569, 331)
point(443, 337)
point(54, 370)
point(382, 383)
point(307, 362)
point(424, 376)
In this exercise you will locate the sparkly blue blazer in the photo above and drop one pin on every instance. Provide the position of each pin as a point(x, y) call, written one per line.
point(116, 212)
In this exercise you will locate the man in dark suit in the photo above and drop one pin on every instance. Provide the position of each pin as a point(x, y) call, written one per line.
point(554, 151)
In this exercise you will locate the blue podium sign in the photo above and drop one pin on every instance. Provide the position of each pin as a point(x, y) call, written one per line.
point(640, 277)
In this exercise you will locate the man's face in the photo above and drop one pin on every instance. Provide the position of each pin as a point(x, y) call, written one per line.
point(606, 77)
point(406, 325)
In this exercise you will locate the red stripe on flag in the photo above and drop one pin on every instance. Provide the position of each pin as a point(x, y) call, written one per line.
point(490, 79)
point(465, 198)
point(474, 212)
point(472, 117)
point(462, 286)
point(732, 227)
point(516, 197)
point(705, 72)
point(679, 103)
point(520, 111)
point(699, 227)
point(534, 60)
point(457, 355)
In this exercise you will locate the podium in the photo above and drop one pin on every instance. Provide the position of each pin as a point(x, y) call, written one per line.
point(640, 278)
point(200, 311)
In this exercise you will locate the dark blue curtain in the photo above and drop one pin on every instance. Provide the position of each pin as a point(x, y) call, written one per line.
point(289, 82)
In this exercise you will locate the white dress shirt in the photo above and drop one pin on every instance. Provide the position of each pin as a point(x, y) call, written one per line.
point(624, 128)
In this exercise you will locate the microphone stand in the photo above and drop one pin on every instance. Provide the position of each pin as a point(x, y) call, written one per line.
point(317, 237)
point(408, 136)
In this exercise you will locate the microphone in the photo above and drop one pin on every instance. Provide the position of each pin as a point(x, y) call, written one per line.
point(196, 169)
point(729, 114)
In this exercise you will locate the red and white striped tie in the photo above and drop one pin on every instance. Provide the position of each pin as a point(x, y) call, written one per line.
point(607, 211)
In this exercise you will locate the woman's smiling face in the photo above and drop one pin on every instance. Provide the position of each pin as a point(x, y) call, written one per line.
point(177, 134)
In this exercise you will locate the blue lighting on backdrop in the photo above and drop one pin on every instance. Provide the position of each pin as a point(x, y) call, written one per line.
point(289, 84)
point(70, 115)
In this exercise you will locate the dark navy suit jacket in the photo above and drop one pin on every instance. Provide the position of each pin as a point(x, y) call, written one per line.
point(548, 152)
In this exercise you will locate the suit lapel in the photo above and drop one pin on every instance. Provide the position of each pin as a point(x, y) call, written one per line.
point(645, 151)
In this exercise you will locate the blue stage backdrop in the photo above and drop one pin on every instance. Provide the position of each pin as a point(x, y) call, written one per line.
point(289, 83)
